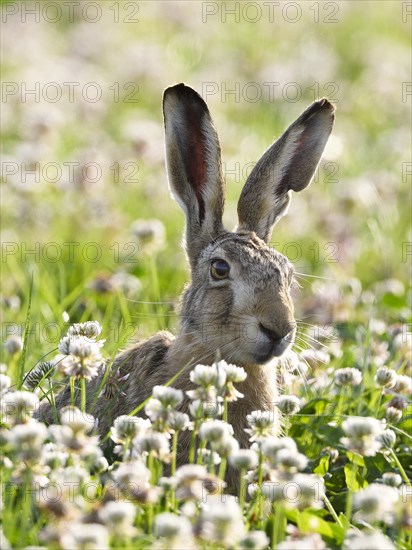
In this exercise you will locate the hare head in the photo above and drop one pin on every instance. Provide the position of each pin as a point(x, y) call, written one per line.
point(238, 302)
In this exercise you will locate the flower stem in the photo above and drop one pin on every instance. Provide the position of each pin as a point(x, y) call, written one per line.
point(72, 398)
point(341, 401)
point(260, 481)
point(192, 448)
point(174, 453)
point(400, 467)
point(332, 511)
point(278, 524)
point(83, 394)
point(287, 425)
point(222, 468)
point(348, 508)
point(225, 410)
point(242, 488)
point(378, 403)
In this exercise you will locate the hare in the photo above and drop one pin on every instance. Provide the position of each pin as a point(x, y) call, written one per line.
point(238, 302)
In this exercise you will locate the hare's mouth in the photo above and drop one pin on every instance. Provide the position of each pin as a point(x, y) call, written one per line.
point(274, 345)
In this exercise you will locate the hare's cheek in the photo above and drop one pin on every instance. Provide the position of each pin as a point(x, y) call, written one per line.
point(245, 300)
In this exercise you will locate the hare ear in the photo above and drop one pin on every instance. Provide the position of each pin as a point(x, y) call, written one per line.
point(288, 165)
point(193, 166)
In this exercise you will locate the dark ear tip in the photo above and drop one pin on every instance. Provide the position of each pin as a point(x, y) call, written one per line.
point(322, 108)
point(184, 93)
point(325, 104)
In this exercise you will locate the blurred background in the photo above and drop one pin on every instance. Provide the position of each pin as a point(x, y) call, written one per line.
point(88, 224)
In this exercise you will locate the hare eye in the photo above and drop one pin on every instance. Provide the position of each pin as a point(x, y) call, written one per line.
point(219, 269)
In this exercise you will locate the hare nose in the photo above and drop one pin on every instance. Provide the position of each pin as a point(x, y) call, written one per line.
point(276, 336)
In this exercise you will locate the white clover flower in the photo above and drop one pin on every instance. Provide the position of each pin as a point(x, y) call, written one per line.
point(377, 502)
point(210, 380)
point(87, 368)
point(118, 517)
point(27, 440)
point(313, 541)
point(177, 421)
point(193, 479)
point(127, 283)
point(262, 424)
point(387, 439)
point(362, 435)
point(65, 438)
point(221, 521)
point(81, 350)
point(71, 481)
point(151, 442)
point(271, 446)
point(89, 329)
point(13, 344)
point(18, 407)
point(393, 415)
point(92, 456)
point(302, 491)
point(129, 473)
point(359, 426)
point(385, 377)
point(79, 536)
point(403, 342)
point(204, 410)
point(254, 540)
point(290, 461)
point(64, 345)
point(53, 457)
point(167, 483)
point(133, 479)
point(190, 471)
point(170, 525)
point(168, 396)
point(225, 446)
point(149, 233)
point(215, 430)
point(274, 490)
point(392, 479)
point(244, 459)
point(176, 530)
point(79, 421)
point(156, 411)
point(403, 384)
point(310, 491)
point(234, 374)
point(127, 427)
point(347, 377)
point(357, 540)
point(209, 457)
point(288, 404)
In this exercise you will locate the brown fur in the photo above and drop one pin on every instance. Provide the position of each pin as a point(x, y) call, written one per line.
point(247, 317)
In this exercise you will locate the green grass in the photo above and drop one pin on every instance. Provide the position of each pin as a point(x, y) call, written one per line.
point(360, 216)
